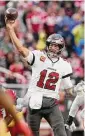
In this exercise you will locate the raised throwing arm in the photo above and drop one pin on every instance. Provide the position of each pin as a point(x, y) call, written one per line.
point(10, 29)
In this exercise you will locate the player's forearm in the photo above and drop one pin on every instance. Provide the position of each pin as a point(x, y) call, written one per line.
point(24, 51)
point(74, 109)
point(7, 103)
point(77, 103)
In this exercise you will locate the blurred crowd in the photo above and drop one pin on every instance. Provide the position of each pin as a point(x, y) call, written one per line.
point(36, 21)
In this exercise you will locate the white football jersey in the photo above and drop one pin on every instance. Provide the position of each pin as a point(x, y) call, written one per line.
point(78, 101)
point(47, 75)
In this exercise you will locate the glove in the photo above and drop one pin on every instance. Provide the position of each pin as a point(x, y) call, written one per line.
point(69, 120)
point(79, 88)
point(19, 107)
point(23, 101)
point(71, 128)
point(21, 128)
point(19, 104)
point(70, 125)
point(19, 101)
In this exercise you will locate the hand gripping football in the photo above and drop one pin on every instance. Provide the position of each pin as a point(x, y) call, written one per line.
point(11, 14)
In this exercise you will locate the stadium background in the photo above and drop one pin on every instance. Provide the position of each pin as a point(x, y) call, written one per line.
point(36, 21)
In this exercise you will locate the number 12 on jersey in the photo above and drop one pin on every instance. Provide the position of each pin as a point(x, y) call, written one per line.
point(50, 82)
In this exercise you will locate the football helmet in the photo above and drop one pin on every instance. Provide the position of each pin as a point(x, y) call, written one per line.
point(58, 40)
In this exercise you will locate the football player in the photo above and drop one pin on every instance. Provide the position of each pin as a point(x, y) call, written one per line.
point(77, 103)
point(48, 70)
point(7, 103)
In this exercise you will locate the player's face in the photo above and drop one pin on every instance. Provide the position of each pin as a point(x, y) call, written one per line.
point(53, 50)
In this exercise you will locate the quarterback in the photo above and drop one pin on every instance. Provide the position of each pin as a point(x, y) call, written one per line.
point(48, 71)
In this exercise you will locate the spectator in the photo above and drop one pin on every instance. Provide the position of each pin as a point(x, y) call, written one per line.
point(34, 20)
point(50, 21)
point(5, 44)
point(41, 42)
point(2, 10)
point(10, 59)
point(10, 79)
point(78, 32)
point(69, 39)
point(79, 48)
point(76, 65)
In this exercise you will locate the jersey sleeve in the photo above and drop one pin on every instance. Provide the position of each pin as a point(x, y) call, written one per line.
point(66, 83)
point(75, 105)
point(32, 57)
point(67, 70)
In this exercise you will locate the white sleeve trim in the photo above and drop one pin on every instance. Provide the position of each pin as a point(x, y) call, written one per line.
point(29, 58)
point(67, 83)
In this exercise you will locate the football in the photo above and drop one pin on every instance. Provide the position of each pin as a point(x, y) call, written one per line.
point(11, 13)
